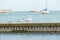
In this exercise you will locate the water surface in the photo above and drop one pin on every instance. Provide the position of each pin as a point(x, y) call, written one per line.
point(53, 16)
point(30, 36)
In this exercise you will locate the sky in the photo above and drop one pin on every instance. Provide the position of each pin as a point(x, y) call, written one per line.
point(27, 5)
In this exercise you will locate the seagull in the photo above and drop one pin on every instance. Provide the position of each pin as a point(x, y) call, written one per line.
point(28, 19)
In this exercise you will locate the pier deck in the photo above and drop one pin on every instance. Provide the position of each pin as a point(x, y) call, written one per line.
point(30, 27)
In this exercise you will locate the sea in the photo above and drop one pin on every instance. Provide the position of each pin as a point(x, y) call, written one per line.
point(29, 36)
point(18, 17)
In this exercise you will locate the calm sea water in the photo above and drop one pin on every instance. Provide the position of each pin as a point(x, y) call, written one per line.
point(53, 16)
point(36, 17)
point(30, 36)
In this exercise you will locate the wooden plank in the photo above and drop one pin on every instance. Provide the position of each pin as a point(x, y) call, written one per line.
point(31, 24)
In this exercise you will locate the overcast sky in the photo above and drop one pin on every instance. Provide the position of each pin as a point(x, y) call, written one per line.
point(26, 5)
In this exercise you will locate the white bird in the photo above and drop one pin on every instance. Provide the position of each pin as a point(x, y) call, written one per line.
point(28, 20)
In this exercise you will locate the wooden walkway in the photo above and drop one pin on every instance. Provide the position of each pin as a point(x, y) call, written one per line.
point(30, 27)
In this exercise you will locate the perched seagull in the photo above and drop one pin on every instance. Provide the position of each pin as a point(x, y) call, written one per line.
point(28, 20)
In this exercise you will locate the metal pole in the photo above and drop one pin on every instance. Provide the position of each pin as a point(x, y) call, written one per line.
point(46, 4)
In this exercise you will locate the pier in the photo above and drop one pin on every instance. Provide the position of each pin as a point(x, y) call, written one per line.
point(40, 27)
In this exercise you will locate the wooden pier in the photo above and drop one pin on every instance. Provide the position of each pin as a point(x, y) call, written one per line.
point(40, 27)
